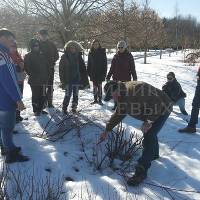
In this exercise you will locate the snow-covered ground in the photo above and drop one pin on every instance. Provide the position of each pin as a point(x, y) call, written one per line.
point(177, 167)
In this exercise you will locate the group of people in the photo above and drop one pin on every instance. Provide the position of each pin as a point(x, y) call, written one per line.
point(135, 98)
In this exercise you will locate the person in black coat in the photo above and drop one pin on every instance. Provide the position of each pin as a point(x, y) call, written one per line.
point(50, 52)
point(37, 69)
point(73, 74)
point(97, 69)
point(174, 90)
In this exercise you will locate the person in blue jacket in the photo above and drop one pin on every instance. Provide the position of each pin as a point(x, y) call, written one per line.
point(10, 99)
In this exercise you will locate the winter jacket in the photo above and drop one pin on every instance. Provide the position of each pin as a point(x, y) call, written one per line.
point(66, 71)
point(141, 101)
point(50, 52)
point(9, 90)
point(174, 90)
point(36, 66)
point(97, 65)
point(122, 67)
point(17, 59)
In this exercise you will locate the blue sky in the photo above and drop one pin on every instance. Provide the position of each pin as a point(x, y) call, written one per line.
point(166, 8)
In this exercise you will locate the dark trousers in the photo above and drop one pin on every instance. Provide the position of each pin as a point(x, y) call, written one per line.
point(50, 88)
point(97, 90)
point(195, 107)
point(71, 88)
point(150, 142)
point(21, 87)
point(38, 97)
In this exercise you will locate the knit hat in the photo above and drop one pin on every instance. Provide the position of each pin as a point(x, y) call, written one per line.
point(122, 44)
point(43, 32)
point(171, 74)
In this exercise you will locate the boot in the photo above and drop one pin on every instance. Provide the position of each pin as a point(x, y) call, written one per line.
point(156, 157)
point(19, 119)
point(50, 104)
point(95, 100)
point(74, 108)
point(37, 113)
point(64, 110)
point(187, 129)
point(184, 112)
point(44, 112)
point(14, 156)
point(115, 106)
point(138, 177)
point(100, 102)
point(3, 151)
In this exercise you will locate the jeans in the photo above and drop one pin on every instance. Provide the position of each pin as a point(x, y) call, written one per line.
point(195, 107)
point(181, 104)
point(7, 123)
point(71, 88)
point(150, 142)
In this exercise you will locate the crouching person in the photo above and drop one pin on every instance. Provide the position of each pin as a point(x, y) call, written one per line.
point(37, 69)
point(71, 71)
point(143, 102)
point(175, 92)
point(10, 98)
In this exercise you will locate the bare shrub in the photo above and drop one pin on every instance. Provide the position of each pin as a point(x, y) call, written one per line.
point(122, 146)
point(23, 185)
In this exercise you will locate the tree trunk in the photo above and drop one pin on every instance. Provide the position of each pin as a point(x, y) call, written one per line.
point(145, 56)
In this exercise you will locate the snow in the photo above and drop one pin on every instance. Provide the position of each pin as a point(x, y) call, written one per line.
point(177, 167)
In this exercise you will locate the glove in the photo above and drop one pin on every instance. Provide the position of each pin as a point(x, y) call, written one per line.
point(145, 127)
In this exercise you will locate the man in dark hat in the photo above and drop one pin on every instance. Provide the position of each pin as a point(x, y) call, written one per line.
point(143, 102)
point(10, 99)
point(50, 52)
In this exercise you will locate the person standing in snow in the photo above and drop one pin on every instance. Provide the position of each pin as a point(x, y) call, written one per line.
point(10, 99)
point(37, 68)
point(144, 102)
point(73, 74)
point(191, 127)
point(174, 91)
point(97, 69)
point(122, 66)
point(50, 52)
point(19, 63)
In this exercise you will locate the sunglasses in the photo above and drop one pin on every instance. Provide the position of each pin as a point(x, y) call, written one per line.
point(120, 47)
point(36, 45)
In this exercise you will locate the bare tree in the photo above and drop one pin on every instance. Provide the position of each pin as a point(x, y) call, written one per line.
point(66, 17)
